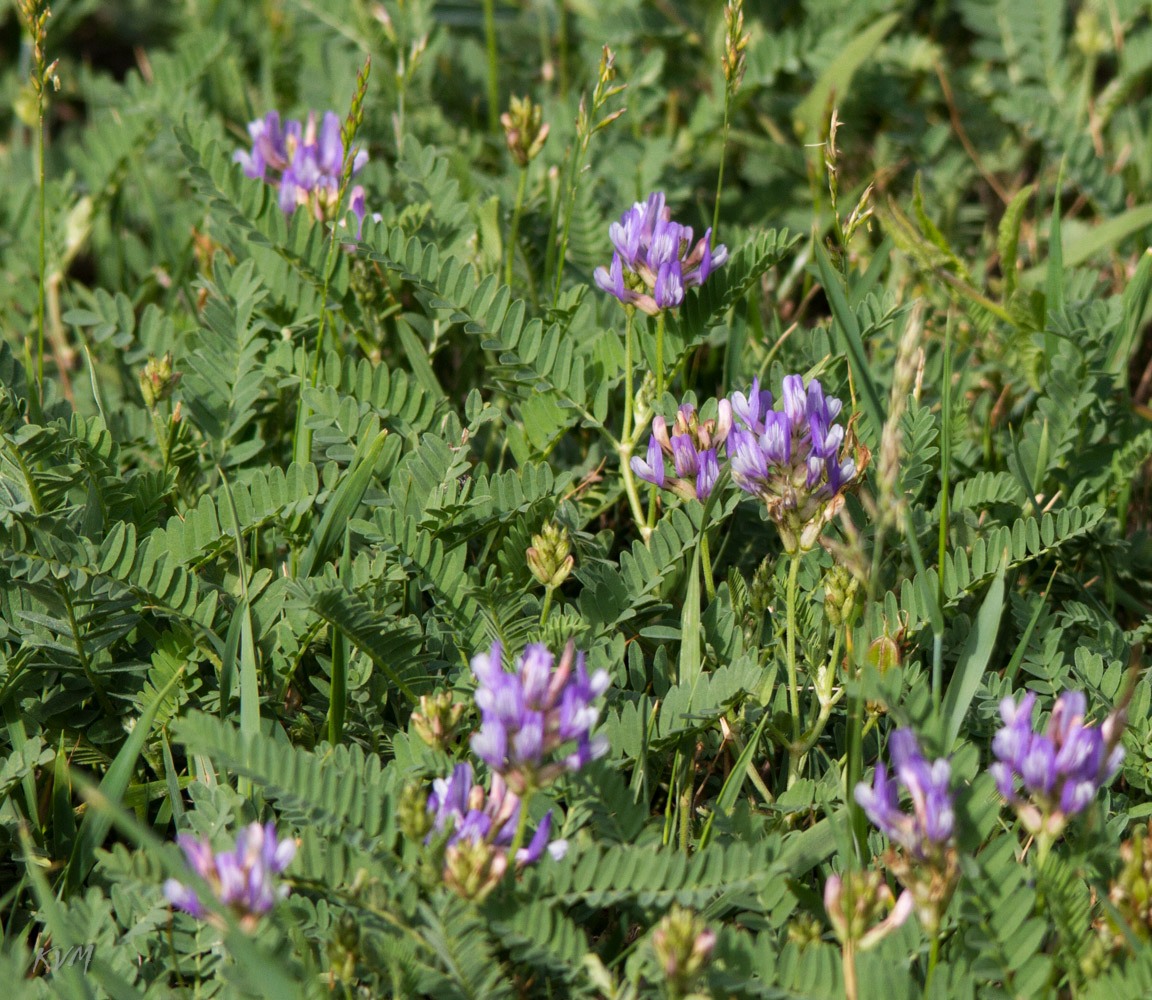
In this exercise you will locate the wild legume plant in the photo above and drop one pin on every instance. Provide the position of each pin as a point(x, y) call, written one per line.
point(552, 499)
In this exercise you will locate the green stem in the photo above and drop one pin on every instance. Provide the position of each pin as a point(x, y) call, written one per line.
point(627, 437)
point(945, 485)
point(493, 65)
point(720, 174)
point(706, 564)
point(634, 502)
point(793, 677)
point(629, 374)
point(547, 605)
point(521, 832)
point(659, 356)
point(670, 802)
point(302, 435)
point(827, 703)
point(851, 987)
point(562, 39)
point(686, 806)
point(855, 767)
point(933, 957)
point(43, 262)
point(514, 229)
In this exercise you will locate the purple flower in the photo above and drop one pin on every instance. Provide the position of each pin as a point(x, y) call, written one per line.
point(926, 832)
point(481, 829)
point(527, 715)
point(692, 446)
point(652, 470)
point(304, 164)
point(1059, 771)
point(658, 256)
point(243, 879)
point(751, 410)
point(792, 458)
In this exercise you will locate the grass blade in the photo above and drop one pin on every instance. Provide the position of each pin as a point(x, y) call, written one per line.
point(973, 659)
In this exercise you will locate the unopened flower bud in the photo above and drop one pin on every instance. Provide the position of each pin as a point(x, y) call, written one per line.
point(839, 595)
point(157, 380)
point(523, 130)
point(414, 818)
point(804, 930)
point(549, 557)
point(1090, 36)
point(683, 945)
point(435, 723)
point(472, 869)
point(865, 921)
point(735, 42)
point(1131, 893)
point(344, 947)
point(931, 884)
point(884, 653)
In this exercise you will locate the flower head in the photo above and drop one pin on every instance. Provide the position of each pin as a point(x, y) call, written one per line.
point(305, 163)
point(692, 447)
point(481, 828)
point(528, 715)
point(683, 944)
point(797, 459)
point(875, 912)
point(243, 879)
point(655, 260)
point(1060, 770)
point(928, 829)
point(926, 863)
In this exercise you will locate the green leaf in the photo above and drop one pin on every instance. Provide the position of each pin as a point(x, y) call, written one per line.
point(95, 825)
point(1078, 249)
point(837, 76)
point(1008, 239)
point(343, 504)
point(973, 659)
point(846, 321)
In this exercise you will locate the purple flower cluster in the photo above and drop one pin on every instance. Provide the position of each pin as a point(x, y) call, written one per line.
point(927, 831)
point(462, 808)
point(791, 458)
point(305, 164)
point(529, 714)
point(692, 447)
point(654, 260)
point(1060, 770)
point(243, 879)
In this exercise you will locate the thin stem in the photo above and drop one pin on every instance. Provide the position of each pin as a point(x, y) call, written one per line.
point(514, 229)
point(629, 374)
point(650, 523)
point(302, 435)
point(43, 261)
point(933, 956)
point(828, 701)
point(720, 173)
point(945, 485)
point(686, 805)
point(670, 802)
point(521, 832)
point(493, 65)
point(793, 679)
point(706, 564)
point(634, 502)
point(627, 437)
point(660, 355)
point(851, 988)
point(547, 604)
point(562, 40)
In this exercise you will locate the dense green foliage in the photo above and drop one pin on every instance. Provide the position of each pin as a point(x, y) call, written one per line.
point(223, 596)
